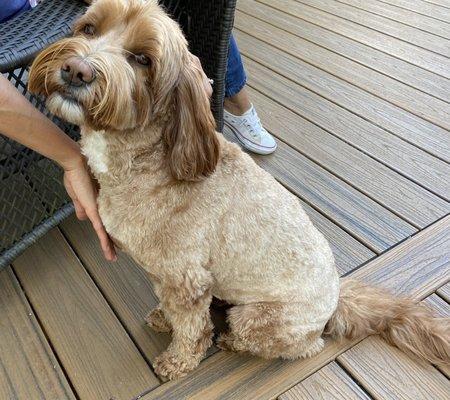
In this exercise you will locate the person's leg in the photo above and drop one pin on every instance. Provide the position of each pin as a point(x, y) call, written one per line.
point(240, 116)
point(236, 98)
point(10, 8)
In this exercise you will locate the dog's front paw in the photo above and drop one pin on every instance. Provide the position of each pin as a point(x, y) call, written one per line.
point(170, 366)
point(156, 320)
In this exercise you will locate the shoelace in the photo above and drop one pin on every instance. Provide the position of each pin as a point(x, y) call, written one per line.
point(251, 124)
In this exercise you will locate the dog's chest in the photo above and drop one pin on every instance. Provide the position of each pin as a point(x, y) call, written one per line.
point(94, 147)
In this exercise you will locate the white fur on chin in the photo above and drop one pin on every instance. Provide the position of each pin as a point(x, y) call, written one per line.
point(66, 109)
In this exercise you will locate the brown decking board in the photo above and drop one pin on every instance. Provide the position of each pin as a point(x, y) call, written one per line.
point(375, 59)
point(381, 24)
point(310, 49)
point(317, 87)
point(406, 17)
point(362, 135)
point(432, 62)
point(94, 349)
point(28, 367)
point(444, 292)
point(393, 191)
point(358, 95)
point(330, 382)
point(424, 8)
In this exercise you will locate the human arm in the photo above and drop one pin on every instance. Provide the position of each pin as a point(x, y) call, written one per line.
point(20, 121)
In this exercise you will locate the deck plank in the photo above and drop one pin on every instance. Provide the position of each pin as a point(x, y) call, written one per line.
point(404, 16)
point(28, 367)
point(124, 284)
point(388, 373)
point(94, 349)
point(368, 56)
point(444, 292)
point(330, 382)
point(441, 307)
point(400, 156)
point(381, 24)
point(328, 87)
point(396, 47)
point(231, 376)
point(423, 7)
point(413, 203)
point(369, 222)
point(383, 89)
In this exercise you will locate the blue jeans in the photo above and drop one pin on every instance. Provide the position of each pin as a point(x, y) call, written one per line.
point(10, 8)
point(235, 78)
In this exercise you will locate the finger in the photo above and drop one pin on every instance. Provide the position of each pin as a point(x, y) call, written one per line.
point(105, 242)
point(79, 210)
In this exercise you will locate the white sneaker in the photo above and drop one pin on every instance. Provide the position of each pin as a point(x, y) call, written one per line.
point(249, 131)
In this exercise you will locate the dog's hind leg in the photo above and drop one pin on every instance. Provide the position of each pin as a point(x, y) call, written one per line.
point(185, 300)
point(270, 330)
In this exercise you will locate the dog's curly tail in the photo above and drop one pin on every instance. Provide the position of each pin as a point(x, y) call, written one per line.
point(365, 310)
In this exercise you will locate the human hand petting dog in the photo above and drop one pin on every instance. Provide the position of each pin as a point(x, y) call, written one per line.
point(82, 189)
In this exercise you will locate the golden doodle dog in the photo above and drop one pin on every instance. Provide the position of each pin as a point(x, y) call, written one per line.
point(196, 212)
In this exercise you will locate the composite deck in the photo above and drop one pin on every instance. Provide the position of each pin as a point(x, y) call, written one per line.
point(358, 95)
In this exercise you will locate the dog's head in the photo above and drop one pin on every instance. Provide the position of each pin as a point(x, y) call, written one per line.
point(127, 66)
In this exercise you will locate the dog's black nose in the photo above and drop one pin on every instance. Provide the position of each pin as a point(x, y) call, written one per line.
point(77, 72)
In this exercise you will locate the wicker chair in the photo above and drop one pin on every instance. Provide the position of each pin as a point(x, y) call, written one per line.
point(32, 198)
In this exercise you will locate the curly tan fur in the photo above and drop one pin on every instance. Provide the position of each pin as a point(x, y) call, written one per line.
point(364, 310)
point(195, 211)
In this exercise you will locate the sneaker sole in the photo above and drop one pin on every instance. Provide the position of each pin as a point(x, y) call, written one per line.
point(253, 148)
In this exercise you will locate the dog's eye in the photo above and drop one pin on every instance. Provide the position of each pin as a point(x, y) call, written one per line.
point(89, 29)
point(142, 59)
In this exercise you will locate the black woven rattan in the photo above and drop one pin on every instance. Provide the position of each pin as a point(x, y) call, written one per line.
point(32, 198)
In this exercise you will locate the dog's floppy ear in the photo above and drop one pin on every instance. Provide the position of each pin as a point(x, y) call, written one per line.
point(190, 137)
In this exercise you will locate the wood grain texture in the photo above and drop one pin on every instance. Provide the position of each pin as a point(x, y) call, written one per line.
point(416, 267)
point(423, 7)
point(444, 292)
point(366, 80)
point(124, 284)
point(396, 47)
point(442, 3)
point(413, 203)
point(404, 16)
point(94, 349)
point(403, 157)
point(372, 224)
point(230, 376)
point(335, 90)
point(387, 373)
point(381, 24)
point(330, 382)
point(441, 307)
point(28, 367)
point(377, 60)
